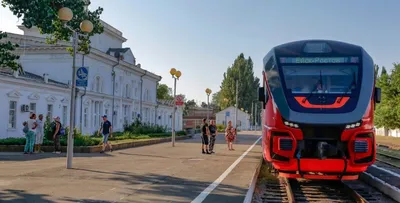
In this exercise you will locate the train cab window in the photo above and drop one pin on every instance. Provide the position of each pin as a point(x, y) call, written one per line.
point(320, 79)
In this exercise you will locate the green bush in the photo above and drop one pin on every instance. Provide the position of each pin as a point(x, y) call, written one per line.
point(13, 141)
point(93, 140)
point(180, 133)
point(221, 128)
point(143, 128)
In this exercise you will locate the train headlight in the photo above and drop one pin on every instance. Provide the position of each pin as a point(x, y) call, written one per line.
point(353, 125)
point(290, 124)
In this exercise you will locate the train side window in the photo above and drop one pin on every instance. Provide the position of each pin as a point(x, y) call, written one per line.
point(263, 96)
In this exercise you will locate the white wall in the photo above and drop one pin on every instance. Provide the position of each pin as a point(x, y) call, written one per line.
point(163, 117)
point(24, 94)
point(392, 133)
point(242, 117)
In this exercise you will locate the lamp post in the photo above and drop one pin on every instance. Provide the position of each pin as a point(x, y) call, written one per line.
point(176, 74)
point(208, 92)
point(65, 15)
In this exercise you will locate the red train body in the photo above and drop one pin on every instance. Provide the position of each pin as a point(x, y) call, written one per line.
point(327, 132)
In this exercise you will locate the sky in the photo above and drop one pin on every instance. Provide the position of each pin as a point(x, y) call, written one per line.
point(201, 38)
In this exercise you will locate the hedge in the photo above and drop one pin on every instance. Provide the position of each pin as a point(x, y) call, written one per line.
point(81, 140)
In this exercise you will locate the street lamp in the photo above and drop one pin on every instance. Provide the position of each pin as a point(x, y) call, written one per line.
point(176, 74)
point(208, 92)
point(65, 15)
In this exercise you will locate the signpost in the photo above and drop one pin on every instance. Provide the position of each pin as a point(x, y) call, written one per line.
point(179, 100)
point(227, 114)
point(82, 77)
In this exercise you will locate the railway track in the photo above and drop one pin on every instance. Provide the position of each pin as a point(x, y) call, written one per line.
point(388, 159)
point(274, 189)
point(300, 190)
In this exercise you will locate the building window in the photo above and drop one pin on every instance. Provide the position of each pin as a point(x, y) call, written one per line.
point(65, 113)
point(85, 117)
point(32, 107)
point(50, 111)
point(12, 115)
point(98, 84)
point(126, 110)
point(106, 112)
point(96, 114)
point(136, 88)
point(127, 91)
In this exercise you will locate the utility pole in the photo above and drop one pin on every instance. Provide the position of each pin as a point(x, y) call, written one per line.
point(237, 102)
point(251, 115)
point(255, 115)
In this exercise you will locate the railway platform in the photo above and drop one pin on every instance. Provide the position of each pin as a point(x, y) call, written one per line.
point(155, 173)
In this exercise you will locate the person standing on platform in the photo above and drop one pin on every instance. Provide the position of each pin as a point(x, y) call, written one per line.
point(213, 134)
point(39, 134)
point(204, 137)
point(106, 131)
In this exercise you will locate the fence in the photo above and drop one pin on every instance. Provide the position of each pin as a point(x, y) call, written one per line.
point(388, 132)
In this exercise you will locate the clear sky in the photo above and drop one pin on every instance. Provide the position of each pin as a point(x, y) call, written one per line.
point(203, 37)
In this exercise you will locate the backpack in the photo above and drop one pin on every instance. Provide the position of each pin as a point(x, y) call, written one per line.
point(62, 130)
point(25, 129)
point(53, 126)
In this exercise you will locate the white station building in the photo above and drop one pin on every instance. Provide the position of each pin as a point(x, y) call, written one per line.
point(228, 114)
point(45, 85)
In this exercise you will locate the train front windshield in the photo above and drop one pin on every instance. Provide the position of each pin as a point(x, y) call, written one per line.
point(321, 88)
point(320, 79)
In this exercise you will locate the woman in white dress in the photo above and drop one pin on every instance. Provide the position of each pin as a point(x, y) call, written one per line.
point(39, 133)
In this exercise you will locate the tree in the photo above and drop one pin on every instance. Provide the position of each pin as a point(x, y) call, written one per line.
point(387, 113)
point(188, 105)
point(241, 70)
point(43, 14)
point(164, 92)
point(215, 100)
point(7, 58)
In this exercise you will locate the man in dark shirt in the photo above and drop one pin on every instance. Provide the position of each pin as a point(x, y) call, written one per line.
point(106, 131)
point(204, 137)
point(213, 133)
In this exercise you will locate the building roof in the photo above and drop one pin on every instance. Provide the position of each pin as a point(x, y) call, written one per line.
point(120, 50)
point(24, 75)
point(233, 108)
point(38, 43)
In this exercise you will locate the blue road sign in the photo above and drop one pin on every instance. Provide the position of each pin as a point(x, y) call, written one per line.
point(82, 77)
point(228, 113)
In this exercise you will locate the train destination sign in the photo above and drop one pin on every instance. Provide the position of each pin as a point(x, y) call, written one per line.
point(319, 60)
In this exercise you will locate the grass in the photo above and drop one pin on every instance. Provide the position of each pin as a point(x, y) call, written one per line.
point(391, 142)
point(265, 175)
point(381, 152)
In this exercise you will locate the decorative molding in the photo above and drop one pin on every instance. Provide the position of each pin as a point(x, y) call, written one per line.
point(14, 94)
point(34, 96)
point(107, 104)
point(64, 100)
point(51, 98)
point(86, 102)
